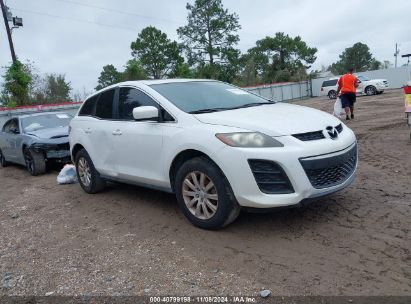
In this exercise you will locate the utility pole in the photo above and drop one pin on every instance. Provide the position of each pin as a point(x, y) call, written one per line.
point(6, 22)
point(397, 52)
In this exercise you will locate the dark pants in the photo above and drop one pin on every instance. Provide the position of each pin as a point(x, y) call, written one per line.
point(348, 100)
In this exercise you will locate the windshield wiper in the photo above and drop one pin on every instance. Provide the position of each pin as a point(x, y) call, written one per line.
point(208, 110)
point(254, 104)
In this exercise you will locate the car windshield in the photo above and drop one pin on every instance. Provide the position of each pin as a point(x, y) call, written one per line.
point(207, 96)
point(363, 78)
point(39, 122)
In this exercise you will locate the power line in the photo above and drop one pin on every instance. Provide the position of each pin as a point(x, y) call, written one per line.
point(88, 21)
point(112, 10)
point(75, 19)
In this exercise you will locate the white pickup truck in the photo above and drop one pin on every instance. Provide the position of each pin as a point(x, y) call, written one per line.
point(365, 86)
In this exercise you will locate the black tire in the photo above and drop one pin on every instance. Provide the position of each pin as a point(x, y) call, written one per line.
point(227, 208)
point(35, 162)
point(370, 90)
point(3, 162)
point(332, 94)
point(96, 183)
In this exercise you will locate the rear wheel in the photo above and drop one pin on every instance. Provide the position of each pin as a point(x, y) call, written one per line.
point(3, 162)
point(332, 94)
point(87, 175)
point(35, 162)
point(370, 90)
point(204, 194)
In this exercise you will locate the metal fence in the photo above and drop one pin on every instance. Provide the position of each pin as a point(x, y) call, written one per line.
point(283, 91)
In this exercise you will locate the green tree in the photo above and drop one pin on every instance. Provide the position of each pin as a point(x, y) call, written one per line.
point(281, 58)
point(210, 36)
point(58, 89)
point(108, 76)
point(357, 57)
point(134, 70)
point(159, 55)
point(17, 82)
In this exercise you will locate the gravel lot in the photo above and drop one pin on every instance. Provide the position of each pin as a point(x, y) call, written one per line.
point(133, 241)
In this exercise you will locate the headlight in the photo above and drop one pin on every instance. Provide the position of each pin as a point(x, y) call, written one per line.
point(248, 140)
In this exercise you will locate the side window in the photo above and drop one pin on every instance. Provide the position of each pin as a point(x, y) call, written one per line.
point(131, 98)
point(89, 107)
point(104, 107)
point(11, 126)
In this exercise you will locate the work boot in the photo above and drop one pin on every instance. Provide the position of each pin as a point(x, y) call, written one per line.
point(352, 116)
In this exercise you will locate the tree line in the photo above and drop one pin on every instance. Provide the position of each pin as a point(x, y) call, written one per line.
point(207, 49)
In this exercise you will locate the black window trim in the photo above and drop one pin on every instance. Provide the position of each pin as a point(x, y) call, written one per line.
point(159, 106)
point(93, 115)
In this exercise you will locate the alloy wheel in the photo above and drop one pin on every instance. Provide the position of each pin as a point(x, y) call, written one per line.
point(84, 171)
point(200, 195)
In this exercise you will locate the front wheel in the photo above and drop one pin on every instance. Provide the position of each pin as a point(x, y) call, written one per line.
point(371, 90)
point(204, 194)
point(35, 162)
point(87, 175)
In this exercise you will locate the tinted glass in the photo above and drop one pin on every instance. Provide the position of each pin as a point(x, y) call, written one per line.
point(330, 83)
point(104, 107)
point(46, 121)
point(89, 107)
point(201, 95)
point(132, 98)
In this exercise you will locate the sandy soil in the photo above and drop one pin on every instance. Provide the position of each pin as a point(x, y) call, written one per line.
point(133, 241)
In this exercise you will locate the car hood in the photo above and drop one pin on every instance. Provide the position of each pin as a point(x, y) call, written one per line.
point(274, 120)
point(50, 133)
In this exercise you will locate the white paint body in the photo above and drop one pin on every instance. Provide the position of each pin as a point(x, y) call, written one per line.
point(143, 151)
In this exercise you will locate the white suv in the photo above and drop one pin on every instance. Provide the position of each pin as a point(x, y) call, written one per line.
point(365, 86)
point(216, 146)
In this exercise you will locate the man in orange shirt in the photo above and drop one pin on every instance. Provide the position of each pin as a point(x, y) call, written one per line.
point(348, 84)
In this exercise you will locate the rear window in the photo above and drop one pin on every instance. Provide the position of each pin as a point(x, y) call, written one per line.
point(330, 83)
point(89, 107)
point(104, 107)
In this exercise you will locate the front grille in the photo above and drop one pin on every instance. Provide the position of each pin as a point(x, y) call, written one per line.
point(310, 136)
point(315, 135)
point(38, 147)
point(330, 171)
point(270, 177)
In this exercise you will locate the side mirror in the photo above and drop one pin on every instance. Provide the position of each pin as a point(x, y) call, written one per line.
point(359, 81)
point(145, 113)
point(14, 131)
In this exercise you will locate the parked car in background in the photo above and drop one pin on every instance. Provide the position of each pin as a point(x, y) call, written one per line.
point(35, 139)
point(217, 147)
point(365, 86)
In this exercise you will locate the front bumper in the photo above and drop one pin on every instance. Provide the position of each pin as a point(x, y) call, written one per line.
point(234, 163)
point(59, 151)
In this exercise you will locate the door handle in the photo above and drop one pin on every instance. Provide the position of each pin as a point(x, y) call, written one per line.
point(87, 131)
point(117, 132)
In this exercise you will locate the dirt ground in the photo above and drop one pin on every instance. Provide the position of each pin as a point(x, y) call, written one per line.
point(133, 241)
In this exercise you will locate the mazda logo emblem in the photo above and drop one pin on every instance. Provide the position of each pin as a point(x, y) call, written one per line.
point(332, 132)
